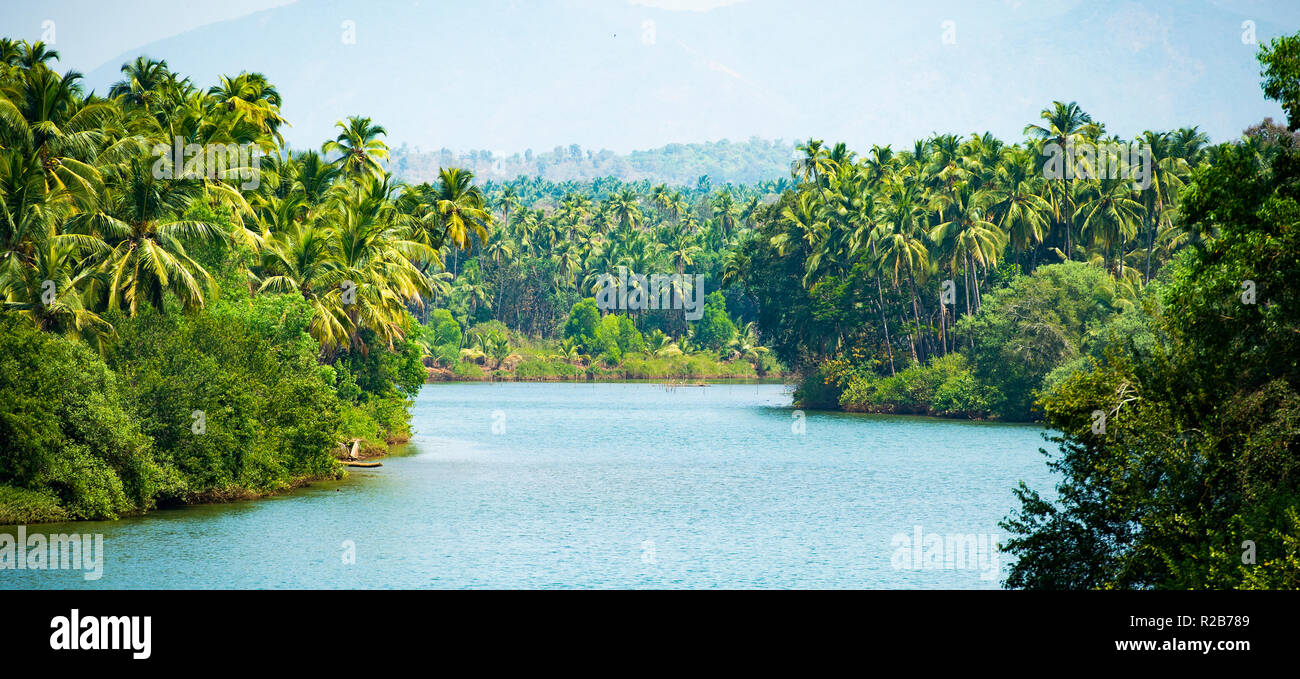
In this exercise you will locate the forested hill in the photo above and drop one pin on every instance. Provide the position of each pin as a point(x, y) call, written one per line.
point(748, 162)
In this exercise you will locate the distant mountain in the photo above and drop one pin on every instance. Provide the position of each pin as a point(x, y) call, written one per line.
point(747, 162)
point(508, 75)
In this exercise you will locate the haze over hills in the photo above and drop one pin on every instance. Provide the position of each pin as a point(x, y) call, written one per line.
point(721, 162)
point(509, 75)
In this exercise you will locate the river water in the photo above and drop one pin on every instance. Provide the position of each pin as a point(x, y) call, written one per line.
point(608, 485)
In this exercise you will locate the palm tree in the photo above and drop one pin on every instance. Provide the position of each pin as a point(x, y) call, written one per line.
point(726, 210)
point(51, 290)
point(43, 114)
point(903, 251)
point(302, 259)
point(967, 237)
point(499, 248)
point(472, 291)
point(509, 200)
point(682, 252)
point(746, 344)
point(359, 147)
point(1015, 204)
point(498, 347)
point(314, 177)
point(251, 99)
point(1066, 125)
point(143, 82)
point(138, 220)
point(814, 164)
point(1166, 172)
point(1110, 218)
point(461, 211)
point(625, 208)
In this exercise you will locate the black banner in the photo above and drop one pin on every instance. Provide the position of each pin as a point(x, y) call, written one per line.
point(925, 630)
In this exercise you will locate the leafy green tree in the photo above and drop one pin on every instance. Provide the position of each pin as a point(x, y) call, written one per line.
point(1033, 325)
point(1195, 461)
point(715, 329)
point(584, 318)
point(1280, 66)
point(630, 340)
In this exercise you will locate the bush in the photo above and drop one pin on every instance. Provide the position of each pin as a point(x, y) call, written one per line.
point(467, 370)
point(581, 326)
point(268, 417)
point(19, 505)
point(72, 447)
point(715, 329)
point(945, 386)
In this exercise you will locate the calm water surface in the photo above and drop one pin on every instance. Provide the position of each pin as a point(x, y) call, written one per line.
point(597, 486)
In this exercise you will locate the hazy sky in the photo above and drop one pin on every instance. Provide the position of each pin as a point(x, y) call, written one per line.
point(120, 25)
point(506, 75)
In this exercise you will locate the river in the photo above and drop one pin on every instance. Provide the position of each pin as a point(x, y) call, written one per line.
point(608, 485)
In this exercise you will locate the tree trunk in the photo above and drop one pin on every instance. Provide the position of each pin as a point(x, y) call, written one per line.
point(889, 350)
point(916, 314)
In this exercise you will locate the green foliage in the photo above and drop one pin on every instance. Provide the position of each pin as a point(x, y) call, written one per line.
point(447, 333)
point(630, 339)
point(545, 369)
point(19, 505)
point(1280, 66)
point(1035, 324)
point(72, 447)
point(584, 318)
point(400, 371)
point(268, 416)
point(1197, 460)
point(467, 370)
point(945, 386)
point(605, 344)
point(715, 330)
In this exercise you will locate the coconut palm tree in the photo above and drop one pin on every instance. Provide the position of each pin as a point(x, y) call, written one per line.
point(1015, 201)
point(1109, 218)
point(250, 98)
point(143, 84)
point(1165, 177)
point(50, 291)
point(1065, 125)
point(138, 218)
point(967, 238)
point(903, 252)
point(359, 147)
point(815, 162)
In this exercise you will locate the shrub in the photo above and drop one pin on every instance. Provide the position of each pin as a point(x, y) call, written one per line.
point(72, 447)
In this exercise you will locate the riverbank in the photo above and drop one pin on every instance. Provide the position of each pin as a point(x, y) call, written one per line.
point(20, 506)
point(443, 375)
point(945, 387)
point(537, 368)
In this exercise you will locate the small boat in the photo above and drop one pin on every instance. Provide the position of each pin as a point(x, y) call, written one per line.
point(353, 463)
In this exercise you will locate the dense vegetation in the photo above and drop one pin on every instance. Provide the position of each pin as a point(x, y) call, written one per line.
point(228, 319)
point(1152, 328)
point(179, 333)
point(176, 332)
point(1191, 480)
point(956, 278)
